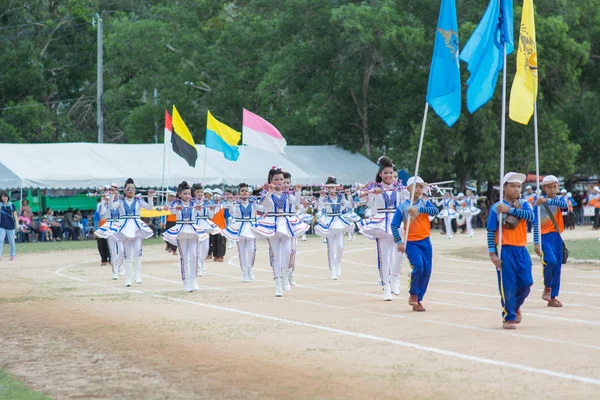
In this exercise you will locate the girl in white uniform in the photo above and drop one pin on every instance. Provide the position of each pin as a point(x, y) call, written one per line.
point(132, 230)
point(469, 211)
point(448, 212)
point(239, 230)
point(279, 226)
point(107, 231)
point(186, 235)
point(203, 221)
point(333, 224)
point(383, 203)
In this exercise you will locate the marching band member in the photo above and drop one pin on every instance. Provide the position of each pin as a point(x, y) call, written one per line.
point(448, 212)
point(203, 221)
point(383, 203)
point(108, 231)
point(470, 210)
point(417, 243)
point(243, 215)
point(297, 209)
point(279, 226)
point(132, 230)
point(514, 266)
point(333, 224)
point(186, 235)
point(551, 225)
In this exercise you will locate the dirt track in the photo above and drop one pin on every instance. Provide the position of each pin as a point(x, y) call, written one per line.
point(69, 331)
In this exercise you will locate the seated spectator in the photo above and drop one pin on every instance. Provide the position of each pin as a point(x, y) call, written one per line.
point(70, 224)
point(45, 229)
point(55, 226)
point(25, 210)
point(24, 229)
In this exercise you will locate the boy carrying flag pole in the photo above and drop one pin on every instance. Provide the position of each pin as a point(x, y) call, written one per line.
point(551, 225)
point(513, 264)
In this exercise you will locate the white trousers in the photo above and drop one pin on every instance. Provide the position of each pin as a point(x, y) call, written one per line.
point(292, 263)
point(335, 249)
point(469, 222)
point(201, 253)
point(188, 258)
point(247, 252)
point(389, 260)
point(115, 246)
point(280, 248)
point(448, 223)
point(133, 255)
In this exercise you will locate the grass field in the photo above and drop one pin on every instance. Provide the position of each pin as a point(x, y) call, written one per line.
point(47, 247)
point(579, 249)
point(12, 389)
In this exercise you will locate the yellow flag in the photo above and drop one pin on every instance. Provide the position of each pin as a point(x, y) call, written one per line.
point(229, 135)
point(525, 86)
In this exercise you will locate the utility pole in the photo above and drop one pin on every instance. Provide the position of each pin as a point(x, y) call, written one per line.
point(155, 122)
point(99, 85)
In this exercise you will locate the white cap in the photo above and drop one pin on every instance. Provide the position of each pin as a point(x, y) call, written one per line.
point(461, 195)
point(569, 194)
point(549, 179)
point(217, 191)
point(564, 191)
point(528, 187)
point(171, 193)
point(514, 177)
point(420, 180)
point(208, 191)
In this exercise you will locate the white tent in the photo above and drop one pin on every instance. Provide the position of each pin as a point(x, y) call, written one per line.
point(89, 165)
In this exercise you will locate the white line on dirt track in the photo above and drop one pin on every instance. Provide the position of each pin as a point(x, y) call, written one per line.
point(489, 263)
point(358, 335)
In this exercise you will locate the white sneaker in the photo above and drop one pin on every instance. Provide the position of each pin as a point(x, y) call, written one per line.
point(395, 285)
point(115, 276)
point(278, 289)
point(245, 277)
point(292, 280)
point(201, 270)
point(186, 285)
point(338, 271)
point(387, 292)
point(121, 271)
point(194, 284)
point(333, 274)
point(304, 238)
point(286, 281)
point(251, 274)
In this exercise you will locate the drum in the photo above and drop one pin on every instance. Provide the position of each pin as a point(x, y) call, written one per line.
point(461, 220)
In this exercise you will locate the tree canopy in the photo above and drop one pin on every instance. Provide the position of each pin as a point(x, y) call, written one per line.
point(350, 73)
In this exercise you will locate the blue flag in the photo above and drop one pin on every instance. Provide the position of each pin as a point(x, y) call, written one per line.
point(484, 52)
point(443, 90)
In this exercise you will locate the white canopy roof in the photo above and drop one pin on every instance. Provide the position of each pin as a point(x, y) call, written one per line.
point(89, 165)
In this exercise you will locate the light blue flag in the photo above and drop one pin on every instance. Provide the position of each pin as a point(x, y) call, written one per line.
point(443, 90)
point(484, 52)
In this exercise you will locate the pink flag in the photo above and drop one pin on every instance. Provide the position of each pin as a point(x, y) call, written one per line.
point(261, 134)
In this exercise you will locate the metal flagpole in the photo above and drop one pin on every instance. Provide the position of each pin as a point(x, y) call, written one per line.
point(164, 164)
point(205, 157)
point(537, 174)
point(412, 192)
point(502, 140)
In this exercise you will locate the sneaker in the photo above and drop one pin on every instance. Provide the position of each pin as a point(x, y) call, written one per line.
point(278, 287)
point(519, 317)
point(245, 277)
point(251, 274)
point(115, 277)
point(333, 274)
point(292, 280)
point(413, 300)
point(419, 308)
point(509, 325)
point(554, 303)
point(338, 271)
point(11, 258)
point(121, 271)
point(546, 294)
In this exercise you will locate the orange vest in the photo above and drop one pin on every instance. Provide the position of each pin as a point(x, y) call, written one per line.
point(219, 219)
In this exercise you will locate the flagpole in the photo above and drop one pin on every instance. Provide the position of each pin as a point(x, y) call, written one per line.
point(164, 165)
point(502, 142)
point(412, 192)
point(204, 177)
point(537, 173)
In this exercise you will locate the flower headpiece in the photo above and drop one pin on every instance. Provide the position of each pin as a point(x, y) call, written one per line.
point(276, 168)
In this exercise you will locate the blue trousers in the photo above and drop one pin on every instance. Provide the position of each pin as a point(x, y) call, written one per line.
point(552, 261)
point(419, 255)
point(514, 280)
